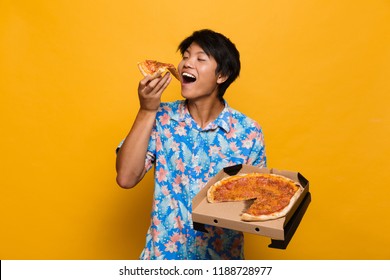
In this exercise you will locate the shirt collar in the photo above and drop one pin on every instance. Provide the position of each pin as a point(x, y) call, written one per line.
point(223, 120)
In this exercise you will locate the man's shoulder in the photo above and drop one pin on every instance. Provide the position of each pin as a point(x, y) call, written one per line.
point(241, 119)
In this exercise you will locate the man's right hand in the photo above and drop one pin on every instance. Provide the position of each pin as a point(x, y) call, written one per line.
point(150, 91)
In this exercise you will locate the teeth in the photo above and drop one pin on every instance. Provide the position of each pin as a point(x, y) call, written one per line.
point(189, 75)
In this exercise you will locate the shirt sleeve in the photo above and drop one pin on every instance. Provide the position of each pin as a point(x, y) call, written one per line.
point(119, 146)
point(151, 151)
point(257, 156)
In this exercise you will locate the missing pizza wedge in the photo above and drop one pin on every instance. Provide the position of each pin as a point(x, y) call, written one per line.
point(155, 68)
point(273, 195)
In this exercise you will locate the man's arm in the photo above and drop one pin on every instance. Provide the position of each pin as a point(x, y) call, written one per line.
point(130, 161)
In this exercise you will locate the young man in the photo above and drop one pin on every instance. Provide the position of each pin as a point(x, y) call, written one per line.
point(189, 142)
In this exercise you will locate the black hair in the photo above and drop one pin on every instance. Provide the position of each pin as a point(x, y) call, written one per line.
point(221, 49)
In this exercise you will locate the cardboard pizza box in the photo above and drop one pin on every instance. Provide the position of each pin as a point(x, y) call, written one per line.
point(227, 214)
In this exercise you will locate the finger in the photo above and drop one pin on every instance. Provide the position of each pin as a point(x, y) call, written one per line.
point(164, 85)
point(154, 85)
point(148, 84)
point(149, 78)
point(145, 80)
point(151, 86)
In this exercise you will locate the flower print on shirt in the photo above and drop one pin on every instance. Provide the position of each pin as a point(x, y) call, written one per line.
point(171, 247)
point(161, 174)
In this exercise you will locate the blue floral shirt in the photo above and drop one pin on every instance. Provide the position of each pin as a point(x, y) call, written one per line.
point(185, 157)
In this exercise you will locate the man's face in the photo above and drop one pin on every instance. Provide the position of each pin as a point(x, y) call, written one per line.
point(197, 74)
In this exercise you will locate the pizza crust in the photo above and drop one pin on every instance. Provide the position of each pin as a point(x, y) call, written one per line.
point(249, 217)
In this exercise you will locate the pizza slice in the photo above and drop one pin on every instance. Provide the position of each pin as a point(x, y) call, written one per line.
point(155, 68)
point(273, 195)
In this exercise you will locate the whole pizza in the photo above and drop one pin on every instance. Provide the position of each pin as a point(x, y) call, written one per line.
point(273, 195)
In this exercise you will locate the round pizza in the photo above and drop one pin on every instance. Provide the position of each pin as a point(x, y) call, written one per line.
point(155, 68)
point(273, 195)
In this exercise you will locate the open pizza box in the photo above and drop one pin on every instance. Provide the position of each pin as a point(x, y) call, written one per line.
point(227, 214)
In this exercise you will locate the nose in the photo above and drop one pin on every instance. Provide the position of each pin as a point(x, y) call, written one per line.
point(188, 63)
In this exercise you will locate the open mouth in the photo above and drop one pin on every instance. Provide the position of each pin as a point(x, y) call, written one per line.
point(188, 78)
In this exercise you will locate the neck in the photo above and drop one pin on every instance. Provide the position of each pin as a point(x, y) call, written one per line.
point(204, 112)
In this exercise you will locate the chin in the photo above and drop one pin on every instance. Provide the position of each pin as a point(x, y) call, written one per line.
point(186, 94)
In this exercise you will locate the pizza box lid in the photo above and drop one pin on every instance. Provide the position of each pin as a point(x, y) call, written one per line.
point(227, 214)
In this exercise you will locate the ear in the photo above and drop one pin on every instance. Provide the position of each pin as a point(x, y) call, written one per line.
point(221, 78)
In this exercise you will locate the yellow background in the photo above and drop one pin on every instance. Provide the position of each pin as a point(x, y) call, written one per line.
point(315, 75)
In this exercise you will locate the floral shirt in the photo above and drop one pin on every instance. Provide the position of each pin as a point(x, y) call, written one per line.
point(185, 157)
